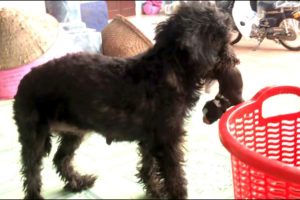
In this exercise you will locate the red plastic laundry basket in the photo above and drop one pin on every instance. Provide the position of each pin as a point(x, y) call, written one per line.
point(265, 152)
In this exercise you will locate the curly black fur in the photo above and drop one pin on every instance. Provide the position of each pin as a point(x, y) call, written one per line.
point(145, 99)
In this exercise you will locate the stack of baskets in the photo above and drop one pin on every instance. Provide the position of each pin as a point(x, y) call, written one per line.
point(120, 38)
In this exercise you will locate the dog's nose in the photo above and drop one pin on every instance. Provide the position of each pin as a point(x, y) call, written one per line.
point(206, 121)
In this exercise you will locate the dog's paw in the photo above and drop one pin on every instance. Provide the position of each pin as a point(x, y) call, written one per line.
point(79, 183)
point(156, 194)
point(33, 196)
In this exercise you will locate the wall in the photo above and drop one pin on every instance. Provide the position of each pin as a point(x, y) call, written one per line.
point(33, 6)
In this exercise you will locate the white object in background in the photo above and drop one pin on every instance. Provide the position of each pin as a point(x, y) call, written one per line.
point(244, 17)
point(139, 7)
point(32, 6)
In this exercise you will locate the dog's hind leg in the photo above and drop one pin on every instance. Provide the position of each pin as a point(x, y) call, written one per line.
point(149, 173)
point(35, 143)
point(63, 162)
point(170, 158)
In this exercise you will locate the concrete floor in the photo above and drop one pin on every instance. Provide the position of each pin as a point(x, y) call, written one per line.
point(208, 162)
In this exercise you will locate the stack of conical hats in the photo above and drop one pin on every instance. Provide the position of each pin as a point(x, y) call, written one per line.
point(25, 36)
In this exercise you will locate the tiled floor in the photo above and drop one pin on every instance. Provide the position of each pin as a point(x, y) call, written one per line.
point(208, 163)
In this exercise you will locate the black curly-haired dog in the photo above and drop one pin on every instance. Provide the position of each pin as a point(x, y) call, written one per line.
point(145, 99)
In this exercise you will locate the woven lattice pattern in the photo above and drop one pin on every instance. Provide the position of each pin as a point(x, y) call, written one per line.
point(274, 138)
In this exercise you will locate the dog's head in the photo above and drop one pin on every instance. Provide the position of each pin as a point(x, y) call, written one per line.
point(200, 32)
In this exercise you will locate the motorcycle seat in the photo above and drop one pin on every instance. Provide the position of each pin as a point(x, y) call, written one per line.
point(266, 5)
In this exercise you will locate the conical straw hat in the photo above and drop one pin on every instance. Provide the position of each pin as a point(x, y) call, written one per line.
point(121, 38)
point(25, 36)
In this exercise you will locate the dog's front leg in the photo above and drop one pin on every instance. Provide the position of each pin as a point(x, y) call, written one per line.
point(149, 173)
point(170, 159)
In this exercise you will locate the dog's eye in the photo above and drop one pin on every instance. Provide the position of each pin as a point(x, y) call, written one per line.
point(204, 111)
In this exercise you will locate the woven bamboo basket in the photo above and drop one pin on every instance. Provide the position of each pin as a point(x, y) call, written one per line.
point(120, 38)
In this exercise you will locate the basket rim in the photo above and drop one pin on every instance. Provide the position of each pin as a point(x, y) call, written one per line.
point(134, 28)
point(268, 166)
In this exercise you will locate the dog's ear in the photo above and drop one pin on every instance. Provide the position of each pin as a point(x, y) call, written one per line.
point(206, 32)
point(180, 33)
point(228, 57)
point(198, 31)
point(199, 43)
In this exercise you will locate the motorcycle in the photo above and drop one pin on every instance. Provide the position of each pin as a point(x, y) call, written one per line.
point(275, 20)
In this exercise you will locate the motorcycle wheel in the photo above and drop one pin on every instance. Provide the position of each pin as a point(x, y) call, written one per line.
point(236, 36)
point(294, 24)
